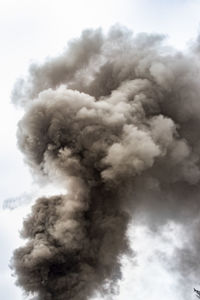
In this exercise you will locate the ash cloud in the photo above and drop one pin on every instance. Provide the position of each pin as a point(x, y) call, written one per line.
point(115, 118)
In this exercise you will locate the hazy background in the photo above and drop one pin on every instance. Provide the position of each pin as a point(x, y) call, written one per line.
point(32, 30)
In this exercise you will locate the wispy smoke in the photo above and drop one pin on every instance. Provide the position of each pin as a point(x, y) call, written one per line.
point(116, 119)
point(15, 202)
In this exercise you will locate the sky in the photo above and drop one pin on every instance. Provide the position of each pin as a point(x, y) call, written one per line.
point(32, 30)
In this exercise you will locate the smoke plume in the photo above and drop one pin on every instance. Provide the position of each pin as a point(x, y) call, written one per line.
point(115, 119)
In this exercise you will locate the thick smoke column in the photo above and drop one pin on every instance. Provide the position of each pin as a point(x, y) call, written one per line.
point(115, 119)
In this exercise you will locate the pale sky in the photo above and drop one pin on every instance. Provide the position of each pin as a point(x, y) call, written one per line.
point(30, 31)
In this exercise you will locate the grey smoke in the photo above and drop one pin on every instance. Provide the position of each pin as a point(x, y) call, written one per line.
point(15, 202)
point(115, 118)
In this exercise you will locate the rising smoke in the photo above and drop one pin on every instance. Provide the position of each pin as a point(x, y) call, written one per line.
point(116, 119)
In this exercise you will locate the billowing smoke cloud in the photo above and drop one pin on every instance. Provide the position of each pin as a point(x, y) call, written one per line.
point(116, 119)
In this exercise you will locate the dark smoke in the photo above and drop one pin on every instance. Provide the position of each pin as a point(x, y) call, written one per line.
point(116, 119)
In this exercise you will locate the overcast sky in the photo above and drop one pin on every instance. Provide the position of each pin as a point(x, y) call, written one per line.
point(30, 31)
